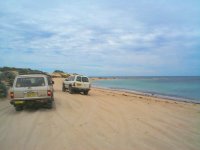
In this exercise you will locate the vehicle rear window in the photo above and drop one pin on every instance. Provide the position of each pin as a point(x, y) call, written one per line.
point(71, 78)
point(85, 79)
point(78, 79)
point(30, 82)
point(49, 81)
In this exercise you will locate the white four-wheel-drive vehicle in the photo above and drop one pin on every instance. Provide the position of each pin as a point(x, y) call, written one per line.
point(77, 83)
point(32, 89)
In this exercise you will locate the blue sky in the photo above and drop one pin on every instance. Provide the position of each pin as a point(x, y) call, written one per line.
point(101, 37)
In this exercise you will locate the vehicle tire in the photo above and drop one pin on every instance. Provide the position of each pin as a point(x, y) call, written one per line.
point(63, 88)
point(49, 105)
point(85, 92)
point(18, 108)
point(70, 90)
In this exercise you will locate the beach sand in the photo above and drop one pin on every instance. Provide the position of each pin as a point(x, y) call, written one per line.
point(102, 120)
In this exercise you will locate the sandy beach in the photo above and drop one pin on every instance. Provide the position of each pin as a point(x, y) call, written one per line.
point(102, 120)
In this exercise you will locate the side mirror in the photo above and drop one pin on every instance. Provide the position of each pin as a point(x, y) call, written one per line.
point(52, 82)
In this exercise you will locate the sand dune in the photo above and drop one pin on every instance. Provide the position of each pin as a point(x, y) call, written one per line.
point(103, 120)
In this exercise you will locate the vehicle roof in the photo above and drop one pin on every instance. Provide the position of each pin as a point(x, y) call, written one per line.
point(33, 75)
point(78, 75)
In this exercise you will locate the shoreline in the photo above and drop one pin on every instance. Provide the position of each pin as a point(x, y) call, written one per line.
point(146, 94)
point(102, 78)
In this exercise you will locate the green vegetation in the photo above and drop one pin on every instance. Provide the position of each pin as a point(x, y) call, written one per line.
point(8, 77)
point(21, 70)
point(58, 71)
point(3, 90)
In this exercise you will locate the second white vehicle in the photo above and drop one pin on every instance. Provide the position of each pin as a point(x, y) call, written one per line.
point(76, 83)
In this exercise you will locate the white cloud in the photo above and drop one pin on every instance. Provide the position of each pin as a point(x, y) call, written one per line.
point(92, 38)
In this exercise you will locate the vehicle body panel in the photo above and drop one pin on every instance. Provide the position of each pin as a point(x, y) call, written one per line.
point(32, 88)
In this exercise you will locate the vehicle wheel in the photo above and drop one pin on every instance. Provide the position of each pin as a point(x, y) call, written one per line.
point(49, 105)
point(85, 92)
point(63, 88)
point(18, 108)
point(70, 90)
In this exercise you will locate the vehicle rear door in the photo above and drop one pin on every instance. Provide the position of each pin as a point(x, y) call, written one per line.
point(30, 87)
point(85, 82)
point(79, 83)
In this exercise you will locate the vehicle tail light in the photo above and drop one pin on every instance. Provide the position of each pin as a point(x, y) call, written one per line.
point(49, 92)
point(11, 94)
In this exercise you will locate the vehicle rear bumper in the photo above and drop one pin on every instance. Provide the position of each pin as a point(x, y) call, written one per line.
point(80, 89)
point(30, 101)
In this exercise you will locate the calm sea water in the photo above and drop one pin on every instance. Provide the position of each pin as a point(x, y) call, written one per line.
point(181, 88)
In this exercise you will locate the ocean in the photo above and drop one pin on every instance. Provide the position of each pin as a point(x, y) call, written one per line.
point(183, 88)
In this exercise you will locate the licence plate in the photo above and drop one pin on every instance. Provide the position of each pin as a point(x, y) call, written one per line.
point(31, 94)
point(19, 102)
point(78, 84)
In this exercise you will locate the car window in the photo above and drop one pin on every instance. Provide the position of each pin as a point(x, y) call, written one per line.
point(78, 78)
point(30, 81)
point(73, 78)
point(49, 81)
point(85, 79)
